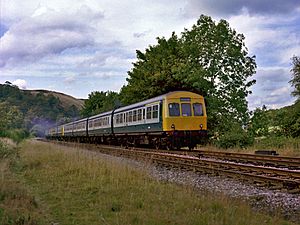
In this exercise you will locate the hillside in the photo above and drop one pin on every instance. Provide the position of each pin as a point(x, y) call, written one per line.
point(35, 110)
point(284, 122)
point(66, 100)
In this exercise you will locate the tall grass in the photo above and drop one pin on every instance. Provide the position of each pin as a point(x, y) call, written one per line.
point(284, 145)
point(82, 188)
point(17, 135)
point(17, 205)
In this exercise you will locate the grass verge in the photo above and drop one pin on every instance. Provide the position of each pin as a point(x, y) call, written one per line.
point(17, 205)
point(82, 188)
point(282, 145)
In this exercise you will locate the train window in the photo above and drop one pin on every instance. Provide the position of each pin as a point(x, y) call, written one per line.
point(155, 111)
point(198, 109)
point(149, 109)
point(121, 117)
point(134, 115)
point(127, 117)
point(186, 109)
point(130, 116)
point(174, 109)
point(139, 116)
point(144, 114)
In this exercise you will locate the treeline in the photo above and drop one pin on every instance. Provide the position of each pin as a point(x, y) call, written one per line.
point(23, 112)
point(278, 122)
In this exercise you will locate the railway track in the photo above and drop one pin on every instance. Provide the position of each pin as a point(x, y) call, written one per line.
point(292, 163)
point(265, 160)
point(271, 177)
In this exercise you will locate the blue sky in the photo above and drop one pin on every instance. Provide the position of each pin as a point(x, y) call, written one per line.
point(77, 47)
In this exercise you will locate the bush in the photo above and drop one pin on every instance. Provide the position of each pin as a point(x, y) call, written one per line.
point(278, 142)
point(17, 135)
point(235, 137)
point(6, 151)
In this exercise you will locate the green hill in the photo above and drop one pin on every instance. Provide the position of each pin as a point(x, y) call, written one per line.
point(66, 100)
point(38, 109)
point(287, 119)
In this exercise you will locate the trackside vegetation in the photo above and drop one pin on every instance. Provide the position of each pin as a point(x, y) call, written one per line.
point(17, 204)
point(62, 185)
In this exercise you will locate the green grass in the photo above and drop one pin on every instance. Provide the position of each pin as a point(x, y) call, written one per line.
point(283, 145)
point(17, 205)
point(76, 187)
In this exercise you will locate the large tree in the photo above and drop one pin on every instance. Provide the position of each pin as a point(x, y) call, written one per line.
point(296, 76)
point(211, 58)
point(99, 102)
point(154, 72)
point(11, 118)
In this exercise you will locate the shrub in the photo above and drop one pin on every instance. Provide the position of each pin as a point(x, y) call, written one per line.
point(17, 135)
point(278, 142)
point(234, 137)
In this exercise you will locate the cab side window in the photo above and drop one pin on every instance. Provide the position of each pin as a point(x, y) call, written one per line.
point(174, 109)
point(198, 109)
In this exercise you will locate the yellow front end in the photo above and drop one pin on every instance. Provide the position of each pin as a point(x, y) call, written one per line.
point(184, 111)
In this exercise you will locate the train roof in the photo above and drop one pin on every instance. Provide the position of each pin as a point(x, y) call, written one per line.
point(101, 114)
point(145, 102)
point(151, 100)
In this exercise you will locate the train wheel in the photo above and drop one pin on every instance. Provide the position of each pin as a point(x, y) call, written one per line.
point(157, 145)
point(169, 146)
point(191, 147)
point(178, 147)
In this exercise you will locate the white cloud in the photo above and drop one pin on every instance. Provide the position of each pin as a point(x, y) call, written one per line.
point(48, 32)
point(22, 84)
point(70, 79)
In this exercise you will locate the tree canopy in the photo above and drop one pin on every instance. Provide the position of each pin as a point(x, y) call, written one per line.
point(99, 102)
point(211, 59)
point(296, 76)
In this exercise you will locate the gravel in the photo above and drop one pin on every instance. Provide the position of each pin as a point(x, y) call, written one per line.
point(260, 198)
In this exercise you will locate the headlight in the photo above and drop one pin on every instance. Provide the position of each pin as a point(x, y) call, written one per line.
point(173, 126)
point(201, 126)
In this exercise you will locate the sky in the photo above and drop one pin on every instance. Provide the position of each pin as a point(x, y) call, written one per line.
point(77, 47)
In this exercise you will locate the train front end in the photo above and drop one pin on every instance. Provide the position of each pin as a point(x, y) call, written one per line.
point(184, 119)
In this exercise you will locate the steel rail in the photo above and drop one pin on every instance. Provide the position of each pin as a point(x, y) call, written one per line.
point(283, 161)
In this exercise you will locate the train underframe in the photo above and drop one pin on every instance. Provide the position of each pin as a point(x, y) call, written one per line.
point(160, 140)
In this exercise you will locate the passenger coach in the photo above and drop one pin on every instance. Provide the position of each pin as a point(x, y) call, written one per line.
point(173, 120)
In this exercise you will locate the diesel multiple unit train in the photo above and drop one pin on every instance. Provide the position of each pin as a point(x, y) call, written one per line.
point(173, 120)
